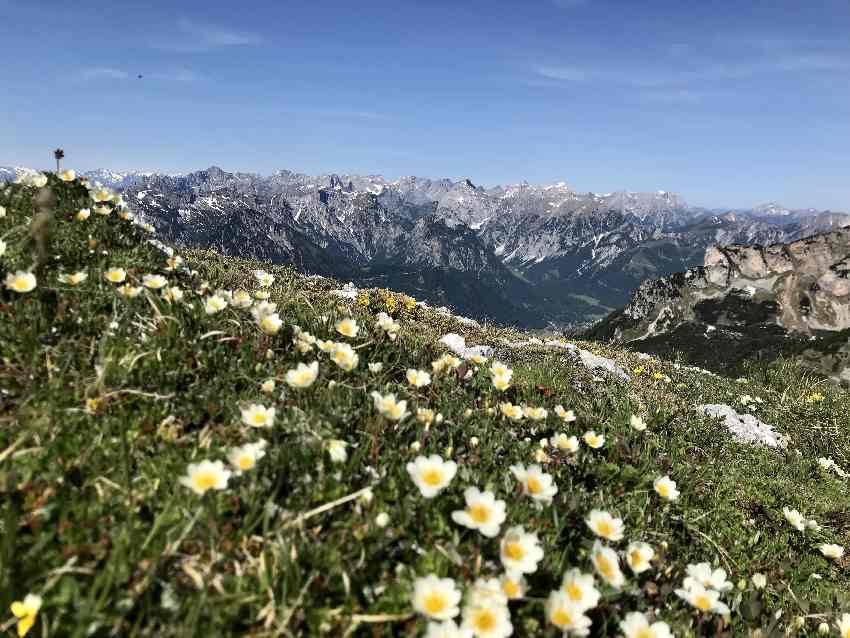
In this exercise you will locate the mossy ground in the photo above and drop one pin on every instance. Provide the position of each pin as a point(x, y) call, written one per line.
point(104, 401)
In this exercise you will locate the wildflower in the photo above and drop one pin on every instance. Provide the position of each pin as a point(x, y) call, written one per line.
point(83, 214)
point(68, 175)
point(431, 474)
point(337, 450)
point(638, 557)
point(637, 423)
point(374, 368)
point(115, 275)
point(344, 356)
point(426, 416)
point(389, 407)
point(302, 376)
point(446, 362)
point(483, 512)
point(567, 416)
point(513, 585)
point(535, 414)
point(477, 359)
point(2, 212)
point(535, 482)
point(268, 386)
point(154, 282)
point(607, 565)
point(245, 458)
point(797, 520)
point(702, 574)
point(347, 328)
point(520, 551)
point(843, 625)
point(759, 581)
point(74, 278)
point(823, 629)
point(241, 299)
point(435, 597)
point(446, 629)
point(173, 262)
point(206, 475)
point(473, 441)
point(26, 611)
point(259, 311)
point(594, 440)
point(636, 625)
point(101, 195)
point(418, 378)
point(258, 416)
point(564, 443)
point(486, 619)
point(666, 488)
point(102, 210)
point(129, 292)
point(486, 590)
point(262, 295)
point(604, 525)
point(386, 323)
point(580, 588)
point(501, 382)
point(214, 304)
point(172, 293)
point(2, 247)
point(21, 281)
point(270, 324)
point(511, 411)
point(706, 600)
point(264, 278)
point(830, 550)
point(382, 520)
point(566, 615)
point(814, 397)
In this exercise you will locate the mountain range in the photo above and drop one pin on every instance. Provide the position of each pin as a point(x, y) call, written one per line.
point(534, 255)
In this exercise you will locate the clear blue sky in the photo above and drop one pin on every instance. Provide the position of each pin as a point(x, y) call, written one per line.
point(730, 103)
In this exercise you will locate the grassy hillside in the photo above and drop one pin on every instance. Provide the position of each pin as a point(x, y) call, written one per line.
point(107, 401)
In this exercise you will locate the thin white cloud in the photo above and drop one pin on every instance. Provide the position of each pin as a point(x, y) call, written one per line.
point(101, 73)
point(190, 36)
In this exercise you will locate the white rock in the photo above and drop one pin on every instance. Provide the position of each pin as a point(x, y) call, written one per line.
point(744, 427)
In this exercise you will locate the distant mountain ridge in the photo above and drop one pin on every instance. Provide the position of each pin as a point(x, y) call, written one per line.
point(534, 255)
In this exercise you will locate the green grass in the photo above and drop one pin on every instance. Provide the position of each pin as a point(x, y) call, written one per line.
point(93, 517)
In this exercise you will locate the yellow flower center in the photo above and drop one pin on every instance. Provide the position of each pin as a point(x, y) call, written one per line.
point(204, 481)
point(605, 567)
point(479, 513)
point(534, 485)
point(19, 284)
point(246, 462)
point(510, 589)
point(645, 632)
point(604, 528)
point(635, 559)
point(663, 489)
point(702, 602)
point(432, 477)
point(514, 550)
point(435, 603)
point(574, 592)
point(562, 617)
point(484, 620)
point(258, 418)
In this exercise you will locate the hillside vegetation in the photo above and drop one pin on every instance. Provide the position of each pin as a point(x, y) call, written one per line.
point(167, 468)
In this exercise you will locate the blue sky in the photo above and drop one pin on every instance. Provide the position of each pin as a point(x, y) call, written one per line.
point(730, 103)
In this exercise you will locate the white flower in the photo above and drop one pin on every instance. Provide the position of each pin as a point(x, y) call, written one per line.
point(2, 247)
point(603, 524)
point(74, 278)
point(435, 597)
point(535, 414)
point(389, 407)
point(564, 443)
point(382, 520)
point(497, 368)
point(206, 475)
point(581, 589)
point(83, 214)
point(347, 328)
point(535, 482)
point(513, 585)
point(487, 620)
point(638, 556)
point(337, 450)
point(594, 440)
point(520, 551)
point(843, 624)
point(128, 291)
point(2, 212)
point(831, 550)
point(607, 565)
point(374, 368)
point(386, 323)
point(566, 615)
point(270, 324)
point(263, 278)
point(68, 175)
point(431, 474)
point(636, 625)
point(101, 195)
point(486, 590)
point(797, 520)
point(759, 581)
point(154, 282)
point(343, 355)
point(214, 304)
point(241, 299)
point(418, 378)
point(706, 600)
point(447, 629)
point(483, 512)
point(21, 281)
point(702, 574)
point(637, 423)
point(567, 416)
point(513, 412)
point(172, 294)
point(665, 487)
point(258, 416)
point(115, 275)
point(302, 376)
point(245, 458)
